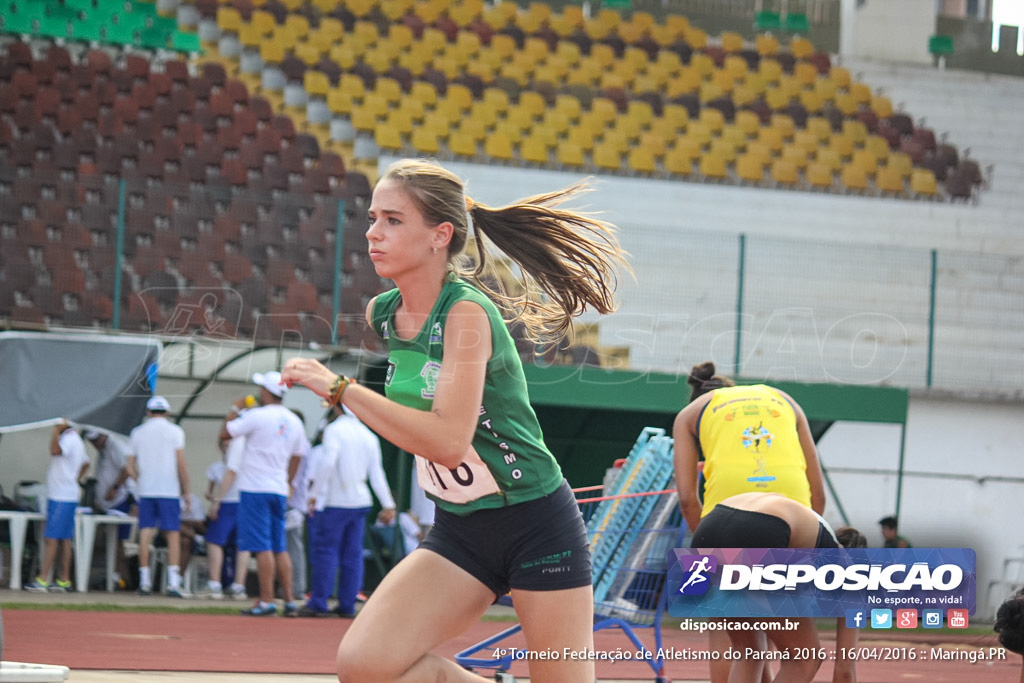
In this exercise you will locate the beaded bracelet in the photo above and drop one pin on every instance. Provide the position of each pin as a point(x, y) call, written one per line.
point(338, 389)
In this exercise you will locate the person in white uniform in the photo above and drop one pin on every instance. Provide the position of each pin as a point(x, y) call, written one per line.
point(68, 464)
point(113, 489)
point(156, 460)
point(349, 460)
point(274, 438)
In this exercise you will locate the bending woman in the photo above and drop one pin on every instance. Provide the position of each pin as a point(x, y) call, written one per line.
point(768, 520)
point(456, 397)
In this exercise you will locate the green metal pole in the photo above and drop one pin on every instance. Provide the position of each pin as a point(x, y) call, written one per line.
point(339, 231)
point(742, 265)
point(931, 317)
point(119, 253)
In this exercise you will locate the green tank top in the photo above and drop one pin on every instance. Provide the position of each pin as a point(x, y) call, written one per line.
point(508, 462)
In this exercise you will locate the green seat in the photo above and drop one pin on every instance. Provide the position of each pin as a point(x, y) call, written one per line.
point(182, 41)
point(940, 45)
point(796, 22)
point(767, 21)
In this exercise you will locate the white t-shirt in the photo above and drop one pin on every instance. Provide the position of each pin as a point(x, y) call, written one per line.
point(216, 471)
point(273, 434)
point(155, 444)
point(62, 473)
point(349, 459)
point(112, 459)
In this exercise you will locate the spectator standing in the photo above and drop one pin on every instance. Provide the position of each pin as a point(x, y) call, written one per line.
point(113, 490)
point(68, 464)
point(273, 451)
point(350, 459)
point(221, 531)
point(890, 532)
point(156, 459)
point(295, 517)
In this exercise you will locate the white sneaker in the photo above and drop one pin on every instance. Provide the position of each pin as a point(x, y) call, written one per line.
point(211, 594)
point(236, 593)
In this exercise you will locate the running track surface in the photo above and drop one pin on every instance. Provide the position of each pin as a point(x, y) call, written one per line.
point(216, 643)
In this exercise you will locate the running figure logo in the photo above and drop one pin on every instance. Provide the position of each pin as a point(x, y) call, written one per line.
point(697, 579)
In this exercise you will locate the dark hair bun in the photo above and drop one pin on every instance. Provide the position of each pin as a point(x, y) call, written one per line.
point(700, 374)
point(1010, 624)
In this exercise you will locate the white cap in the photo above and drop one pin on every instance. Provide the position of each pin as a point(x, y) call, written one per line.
point(271, 381)
point(158, 404)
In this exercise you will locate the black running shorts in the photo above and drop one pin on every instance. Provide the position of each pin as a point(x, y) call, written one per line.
point(539, 545)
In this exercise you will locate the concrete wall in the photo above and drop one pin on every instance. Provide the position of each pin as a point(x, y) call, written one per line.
point(889, 31)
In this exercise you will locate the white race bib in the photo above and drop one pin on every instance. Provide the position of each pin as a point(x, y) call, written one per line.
point(467, 482)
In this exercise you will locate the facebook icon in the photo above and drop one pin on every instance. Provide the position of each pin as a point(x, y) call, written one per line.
point(856, 618)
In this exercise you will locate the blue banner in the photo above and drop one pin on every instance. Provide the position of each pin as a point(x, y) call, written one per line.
point(809, 582)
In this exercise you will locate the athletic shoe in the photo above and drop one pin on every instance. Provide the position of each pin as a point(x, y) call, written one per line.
point(261, 611)
point(235, 593)
point(38, 586)
point(307, 611)
point(176, 593)
point(60, 586)
point(211, 594)
point(145, 590)
point(291, 609)
point(345, 615)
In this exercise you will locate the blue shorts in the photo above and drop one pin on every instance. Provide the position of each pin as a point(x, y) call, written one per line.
point(261, 522)
point(60, 519)
point(163, 513)
point(221, 531)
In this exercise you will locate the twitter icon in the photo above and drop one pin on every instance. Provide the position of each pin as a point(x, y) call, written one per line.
point(881, 618)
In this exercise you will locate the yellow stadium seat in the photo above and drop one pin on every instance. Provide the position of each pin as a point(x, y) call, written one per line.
point(877, 146)
point(801, 47)
point(830, 158)
point(806, 140)
point(860, 92)
point(766, 45)
point(770, 70)
point(842, 144)
point(401, 119)
point(462, 144)
point(699, 132)
point(819, 127)
point(750, 168)
point(499, 147)
point(748, 121)
point(819, 175)
point(785, 173)
point(761, 151)
point(841, 76)
point(534, 149)
point(901, 163)
point(784, 124)
point(806, 74)
point(424, 92)
point(387, 138)
point(922, 182)
point(364, 120)
point(713, 118)
point(724, 149)
point(570, 155)
point(855, 130)
point(882, 106)
point(642, 160)
point(889, 180)
point(677, 115)
point(317, 84)
point(797, 156)
point(607, 157)
point(772, 138)
point(533, 102)
point(846, 104)
point(713, 167)
point(865, 160)
point(854, 178)
point(679, 159)
point(734, 135)
point(731, 41)
point(811, 101)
